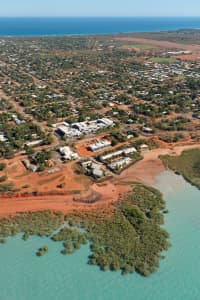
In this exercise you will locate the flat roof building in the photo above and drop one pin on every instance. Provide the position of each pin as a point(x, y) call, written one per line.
point(99, 145)
point(67, 153)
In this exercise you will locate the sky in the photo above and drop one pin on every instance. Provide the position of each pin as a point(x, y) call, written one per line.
point(99, 8)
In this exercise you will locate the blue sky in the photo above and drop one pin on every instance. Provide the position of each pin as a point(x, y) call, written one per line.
point(100, 8)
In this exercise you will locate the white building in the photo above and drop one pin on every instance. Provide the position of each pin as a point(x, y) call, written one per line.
point(99, 145)
point(119, 163)
point(111, 155)
point(34, 143)
point(17, 120)
point(93, 169)
point(68, 131)
point(67, 153)
point(130, 150)
point(125, 151)
point(147, 129)
point(2, 138)
point(144, 148)
point(80, 128)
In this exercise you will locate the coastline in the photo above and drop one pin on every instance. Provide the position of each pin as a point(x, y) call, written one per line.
point(146, 170)
point(91, 26)
point(111, 191)
point(112, 34)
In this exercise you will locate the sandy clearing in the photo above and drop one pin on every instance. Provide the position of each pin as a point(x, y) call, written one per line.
point(44, 182)
point(151, 166)
point(163, 44)
point(191, 57)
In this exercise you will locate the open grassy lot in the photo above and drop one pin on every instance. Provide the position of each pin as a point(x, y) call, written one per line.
point(163, 60)
point(143, 46)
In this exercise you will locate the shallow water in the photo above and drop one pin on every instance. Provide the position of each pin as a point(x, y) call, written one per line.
point(24, 276)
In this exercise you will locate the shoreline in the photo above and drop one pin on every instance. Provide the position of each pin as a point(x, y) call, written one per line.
point(121, 33)
point(152, 164)
point(114, 34)
point(156, 28)
point(145, 171)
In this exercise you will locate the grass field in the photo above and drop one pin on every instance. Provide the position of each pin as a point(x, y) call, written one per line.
point(164, 60)
point(143, 46)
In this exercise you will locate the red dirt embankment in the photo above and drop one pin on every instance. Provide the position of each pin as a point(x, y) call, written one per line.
point(107, 194)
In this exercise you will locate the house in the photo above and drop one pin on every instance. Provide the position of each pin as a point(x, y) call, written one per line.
point(2, 138)
point(144, 148)
point(147, 129)
point(34, 143)
point(17, 120)
point(29, 166)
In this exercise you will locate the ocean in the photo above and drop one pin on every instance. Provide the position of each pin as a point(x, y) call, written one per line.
point(104, 25)
point(24, 276)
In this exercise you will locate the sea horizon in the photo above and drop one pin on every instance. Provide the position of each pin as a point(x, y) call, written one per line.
point(87, 25)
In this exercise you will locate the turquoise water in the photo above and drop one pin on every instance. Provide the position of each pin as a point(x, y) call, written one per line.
point(24, 276)
point(98, 25)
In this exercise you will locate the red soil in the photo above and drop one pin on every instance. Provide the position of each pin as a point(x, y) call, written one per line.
point(191, 57)
point(44, 182)
point(108, 192)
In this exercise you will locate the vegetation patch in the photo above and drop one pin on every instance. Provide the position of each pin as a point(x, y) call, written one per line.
point(42, 251)
point(187, 164)
point(72, 239)
point(143, 46)
point(129, 239)
point(36, 223)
